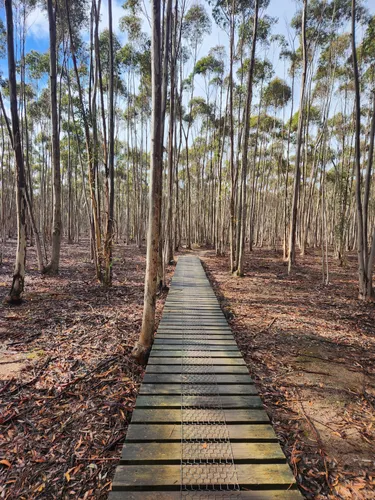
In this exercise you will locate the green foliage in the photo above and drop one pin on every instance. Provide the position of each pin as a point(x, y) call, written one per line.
point(132, 25)
point(79, 11)
point(368, 43)
point(196, 24)
point(312, 113)
point(2, 39)
point(207, 65)
point(266, 123)
point(222, 10)
point(37, 64)
point(265, 24)
point(199, 107)
point(263, 70)
point(277, 93)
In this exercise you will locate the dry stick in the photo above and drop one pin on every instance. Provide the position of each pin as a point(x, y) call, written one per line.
point(44, 366)
point(328, 427)
point(268, 326)
point(317, 435)
point(3, 389)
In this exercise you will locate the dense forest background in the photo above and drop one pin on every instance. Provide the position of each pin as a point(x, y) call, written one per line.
point(250, 158)
point(241, 131)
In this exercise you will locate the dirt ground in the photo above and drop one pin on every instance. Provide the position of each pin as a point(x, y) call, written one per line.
point(311, 351)
point(67, 382)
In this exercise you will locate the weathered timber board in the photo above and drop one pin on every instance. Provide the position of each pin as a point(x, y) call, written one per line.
point(190, 360)
point(214, 495)
point(201, 401)
point(169, 476)
point(193, 345)
point(199, 423)
point(210, 337)
point(178, 379)
point(197, 352)
point(215, 369)
point(174, 416)
point(238, 432)
point(166, 343)
point(233, 390)
point(170, 453)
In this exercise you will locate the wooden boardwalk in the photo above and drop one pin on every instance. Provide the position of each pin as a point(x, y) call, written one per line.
point(199, 429)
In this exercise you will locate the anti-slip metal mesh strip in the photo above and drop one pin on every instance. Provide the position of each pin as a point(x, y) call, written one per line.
point(207, 464)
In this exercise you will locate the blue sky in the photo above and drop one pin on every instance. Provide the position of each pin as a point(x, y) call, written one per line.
point(38, 24)
point(284, 10)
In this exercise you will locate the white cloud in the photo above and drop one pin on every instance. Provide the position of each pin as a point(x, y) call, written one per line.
point(37, 24)
point(37, 21)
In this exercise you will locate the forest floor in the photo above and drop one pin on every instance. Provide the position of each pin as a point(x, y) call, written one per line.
point(67, 381)
point(68, 384)
point(311, 351)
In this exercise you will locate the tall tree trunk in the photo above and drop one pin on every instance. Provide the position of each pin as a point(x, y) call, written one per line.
point(53, 266)
point(111, 155)
point(297, 172)
point(95, 228)
point(169, 232)
point(232, 230)
point(245, 141)
point(143, 346)
point(18, 283)
point(357, 155)
point(365, 263)
point(371, 257)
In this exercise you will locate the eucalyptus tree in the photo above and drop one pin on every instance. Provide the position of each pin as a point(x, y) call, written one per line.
point(110, 173)
point(53, 266)
point(195, 24)
point(297, 171)
point(276, 96)
point(245, 143)
point(366, 257)
point(209, 67)
point(18, 282)
point(143, 346)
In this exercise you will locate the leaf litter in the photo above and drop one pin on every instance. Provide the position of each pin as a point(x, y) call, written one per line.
point(311, 352)
point(65, 412)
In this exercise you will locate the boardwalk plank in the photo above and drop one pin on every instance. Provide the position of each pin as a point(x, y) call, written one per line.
point(193, 345)
point(199, 422)
point(230, 369)
point(239, 432)
point(163, 416)
point(172, 453)
point(169, 476)
point(199, 353)
point(224, 361)
point(174, 495)
point(232, 390)
point(201, 401)
point(162, 342)
point(199, 379)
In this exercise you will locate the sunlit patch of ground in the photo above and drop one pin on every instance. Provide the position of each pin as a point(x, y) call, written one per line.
point(311, 350)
